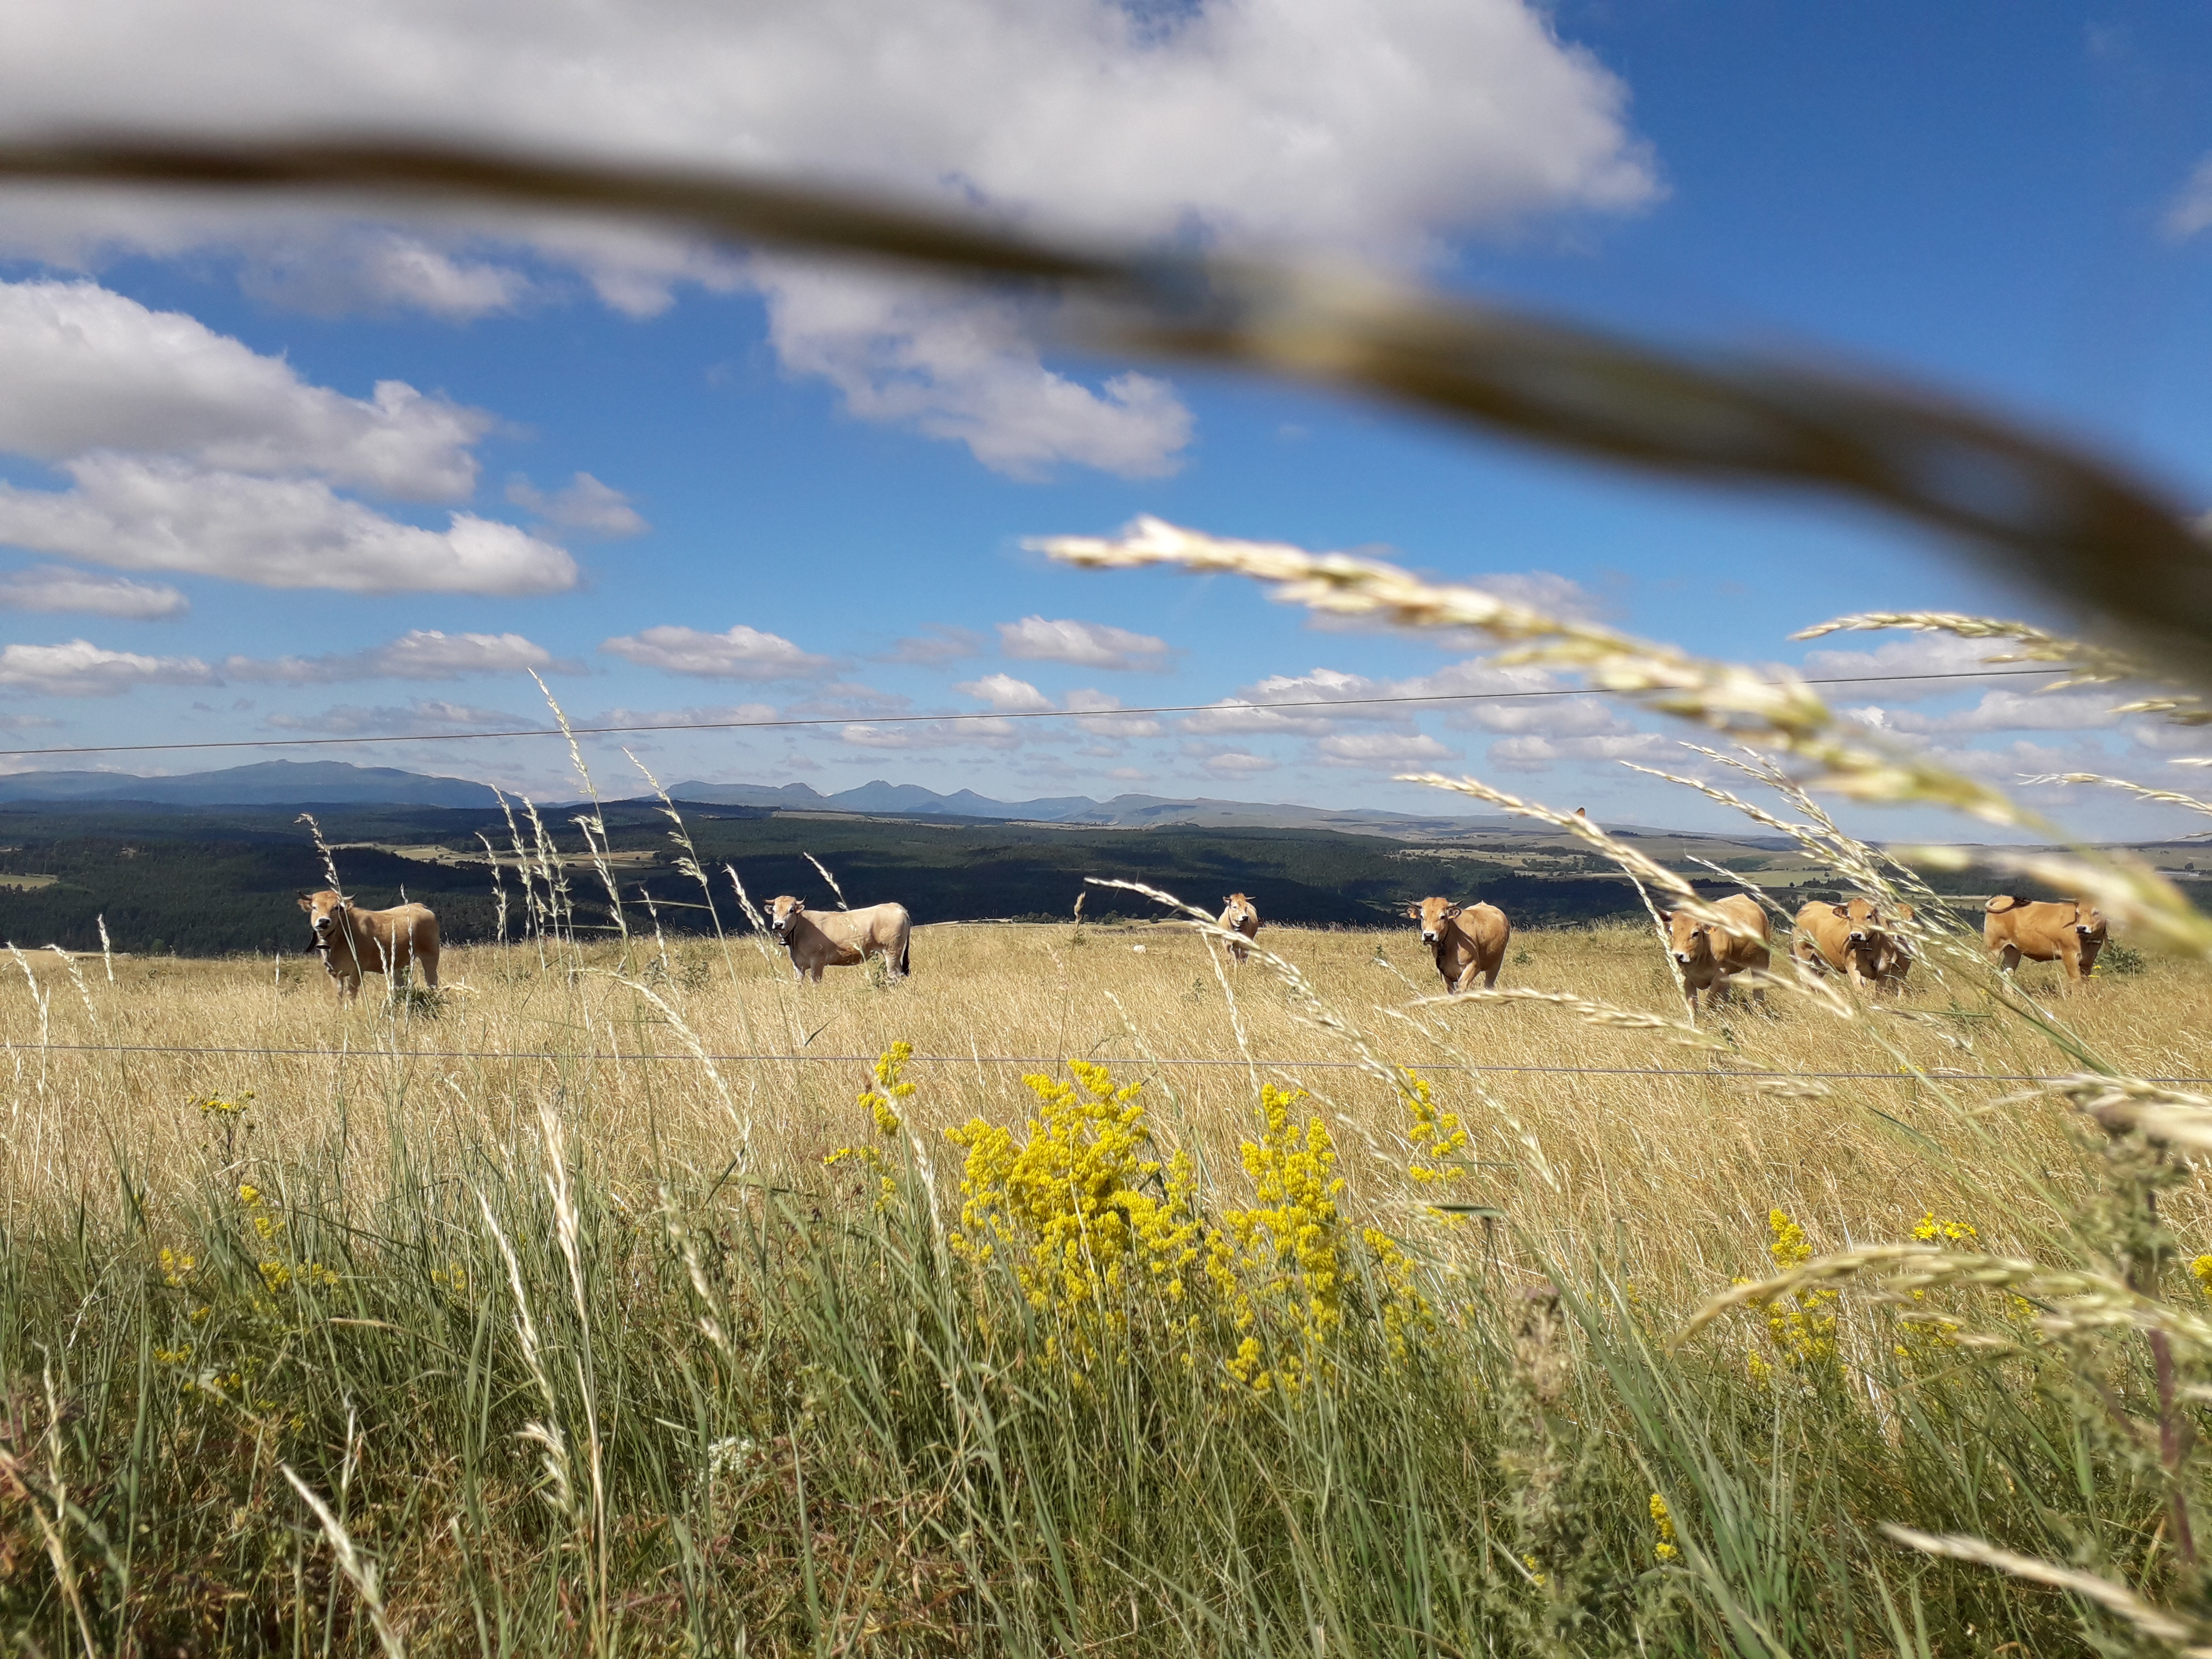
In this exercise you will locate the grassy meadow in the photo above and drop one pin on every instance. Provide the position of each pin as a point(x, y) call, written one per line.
point(500, 1320)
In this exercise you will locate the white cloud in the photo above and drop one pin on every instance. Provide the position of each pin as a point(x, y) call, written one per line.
point(1382, 749)
point(1006, 694)
point(963, 368)
point(2190, 210)
point(585, 504)
point(1103, 724)
point(2003, 711)
point(1009, 696)
point(742, 654)
point(83, 369)
point(750, 713)
point(1386, 127)
point(58, 587)
point(984, 731)
point(1087, 645)
point(1553, 717)
point(376, 268)
point(1540, 754)
point(848, 700)
point(279, 532)
point(79, 668)
point(419, 717)
point(1236, 763)
point(421, 654)
point(1938, 654)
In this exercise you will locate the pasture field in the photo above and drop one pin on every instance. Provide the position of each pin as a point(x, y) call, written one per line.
point(500, 1320)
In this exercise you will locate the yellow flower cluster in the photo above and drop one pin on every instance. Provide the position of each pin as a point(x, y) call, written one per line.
point(1405, 1310)
point(1289, 1242)
point(1934, 1230)
point(1066, 1202)
point(1803, 1334)
point(881, 1098)
point(1663, 1518)
point(1437, 1136)
point(890, 1088)
point(1926, 1339)
point(2201, 1270)
point(176, 1267)
point(222, 1109)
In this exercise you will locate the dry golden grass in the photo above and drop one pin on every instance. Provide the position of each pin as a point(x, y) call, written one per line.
point(1672, 1175)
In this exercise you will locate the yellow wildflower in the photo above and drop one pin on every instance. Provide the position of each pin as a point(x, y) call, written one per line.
point(1290, 1239)
point(1663, 1519)
point(249, 1194)
point(2201, 1270)
point(1804, 1335)
point(176, 1269)
point(1931, 1230)
point(1068, 1203)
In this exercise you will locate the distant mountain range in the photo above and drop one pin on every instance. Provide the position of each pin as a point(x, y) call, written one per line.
point(311, 783)
point(1123, 811)
point(267, 783)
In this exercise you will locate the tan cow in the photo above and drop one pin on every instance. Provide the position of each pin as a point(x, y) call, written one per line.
point(1856, 939)
point(2067, 931)
point(1466, 940)
point(1240, 915)
point(1709, 956)
point(352, 941)
point(840, 939)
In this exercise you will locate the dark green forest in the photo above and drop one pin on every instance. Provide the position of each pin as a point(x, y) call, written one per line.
point(214, 881)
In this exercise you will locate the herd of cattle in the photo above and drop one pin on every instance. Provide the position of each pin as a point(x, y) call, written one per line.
point(1857, 939)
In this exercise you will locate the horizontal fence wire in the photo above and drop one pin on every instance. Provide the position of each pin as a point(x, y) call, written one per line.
point(1134, 1062)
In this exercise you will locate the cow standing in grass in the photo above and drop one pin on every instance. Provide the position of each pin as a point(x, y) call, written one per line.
point(1855, 939)
point(1240, 915)
point(2067, 931)
point(1709, 955)
point(840, 939)
point(1465, 939)
point(352, 941)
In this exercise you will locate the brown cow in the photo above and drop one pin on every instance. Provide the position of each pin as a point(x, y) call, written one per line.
point(1856, 939)
point(2067, 931)
point(840, 939)
point(1466, 940)
point(352, 941)
point(1709, 956)
point(1240, 915)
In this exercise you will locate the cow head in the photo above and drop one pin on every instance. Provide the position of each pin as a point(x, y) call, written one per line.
point(1237, 910)
point(1436, 916)
point(1689, 939)
point(324, 909)
point(782, 911)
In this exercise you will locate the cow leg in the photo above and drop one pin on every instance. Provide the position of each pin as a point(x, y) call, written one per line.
point(2009, 958)
point(429, 963)
point(2072, 962)
point(1489, 979)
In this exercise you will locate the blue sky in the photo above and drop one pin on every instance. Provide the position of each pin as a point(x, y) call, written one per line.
point(693, 483)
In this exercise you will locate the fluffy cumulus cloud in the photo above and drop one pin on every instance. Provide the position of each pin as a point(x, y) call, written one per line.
point(165, 514)
point(421, 654)
point(58, 587)
point(1387, 128)
point(1006, 694)
point(88, 370)
point(1235, 762)
point(188, 451)
point(585, 504)
point(1086, 645)
point(373, 269)
point(1092, 708)
point(740, 654)
point(78, 668)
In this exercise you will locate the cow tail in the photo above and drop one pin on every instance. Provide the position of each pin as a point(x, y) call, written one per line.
point(906, 956)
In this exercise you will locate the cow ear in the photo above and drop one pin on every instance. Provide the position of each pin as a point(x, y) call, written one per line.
point(1843, 910)
point(1666, 917)
point(305, 903)
point(1412, 913)
point(1451, 911)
